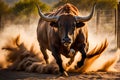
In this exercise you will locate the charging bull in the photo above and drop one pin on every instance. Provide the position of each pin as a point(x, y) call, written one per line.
point(63, 32)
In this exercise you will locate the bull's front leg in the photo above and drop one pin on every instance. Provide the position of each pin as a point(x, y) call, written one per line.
point(83, 52)
point(57, 56)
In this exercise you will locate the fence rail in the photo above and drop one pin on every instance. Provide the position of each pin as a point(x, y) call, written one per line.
point(103, 18)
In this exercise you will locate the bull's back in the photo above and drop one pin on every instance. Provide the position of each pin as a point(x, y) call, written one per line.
point(42, 31)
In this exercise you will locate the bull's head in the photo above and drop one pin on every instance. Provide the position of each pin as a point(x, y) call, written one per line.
point(66, 24)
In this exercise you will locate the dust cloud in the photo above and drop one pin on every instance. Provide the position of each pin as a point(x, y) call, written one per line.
point(28, 36)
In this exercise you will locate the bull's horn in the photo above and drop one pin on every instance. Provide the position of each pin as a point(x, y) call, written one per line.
point(46, 18)
point(87, 18)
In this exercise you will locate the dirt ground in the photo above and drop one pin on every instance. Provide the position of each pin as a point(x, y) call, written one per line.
point(20, 75)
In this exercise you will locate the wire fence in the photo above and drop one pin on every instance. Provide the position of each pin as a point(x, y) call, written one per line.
point(105, 21)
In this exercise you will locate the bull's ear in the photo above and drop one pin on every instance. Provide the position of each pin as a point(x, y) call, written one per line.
point(53, 24)
point(80, 24)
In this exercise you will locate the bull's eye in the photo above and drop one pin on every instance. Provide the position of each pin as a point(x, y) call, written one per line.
point(60, 26)
point(73, 27)
point(74, 24)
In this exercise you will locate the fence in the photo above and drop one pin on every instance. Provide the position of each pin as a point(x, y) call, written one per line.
point(118, 25)
point(105, 19)
point(111, 17)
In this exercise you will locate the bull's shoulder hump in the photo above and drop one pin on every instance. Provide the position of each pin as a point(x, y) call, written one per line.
point(67, 8)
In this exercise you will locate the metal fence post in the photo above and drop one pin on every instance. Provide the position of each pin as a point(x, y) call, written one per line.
point(118, 27)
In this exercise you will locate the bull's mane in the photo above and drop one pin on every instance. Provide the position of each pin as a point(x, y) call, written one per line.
point(67, 8)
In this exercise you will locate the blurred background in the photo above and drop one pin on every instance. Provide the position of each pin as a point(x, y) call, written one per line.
point(20, 11)
point(23, 14)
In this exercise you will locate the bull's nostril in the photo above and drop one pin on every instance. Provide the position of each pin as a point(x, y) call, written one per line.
point(63, 39)
point(66, 40)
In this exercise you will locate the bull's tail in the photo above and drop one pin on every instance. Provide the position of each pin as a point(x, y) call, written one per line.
point(98, 49)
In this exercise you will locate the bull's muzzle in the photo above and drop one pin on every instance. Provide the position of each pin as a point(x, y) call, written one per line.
point(66, 41)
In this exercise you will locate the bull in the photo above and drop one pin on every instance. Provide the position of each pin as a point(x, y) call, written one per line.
point(63, 32)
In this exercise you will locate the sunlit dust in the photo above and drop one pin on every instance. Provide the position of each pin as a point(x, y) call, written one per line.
point(20, 51)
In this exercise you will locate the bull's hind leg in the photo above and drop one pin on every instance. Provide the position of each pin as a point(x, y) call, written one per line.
point(43, 50)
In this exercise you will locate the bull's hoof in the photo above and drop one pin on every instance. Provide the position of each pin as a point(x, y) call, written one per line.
point(79, 64)
point(63, 74)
